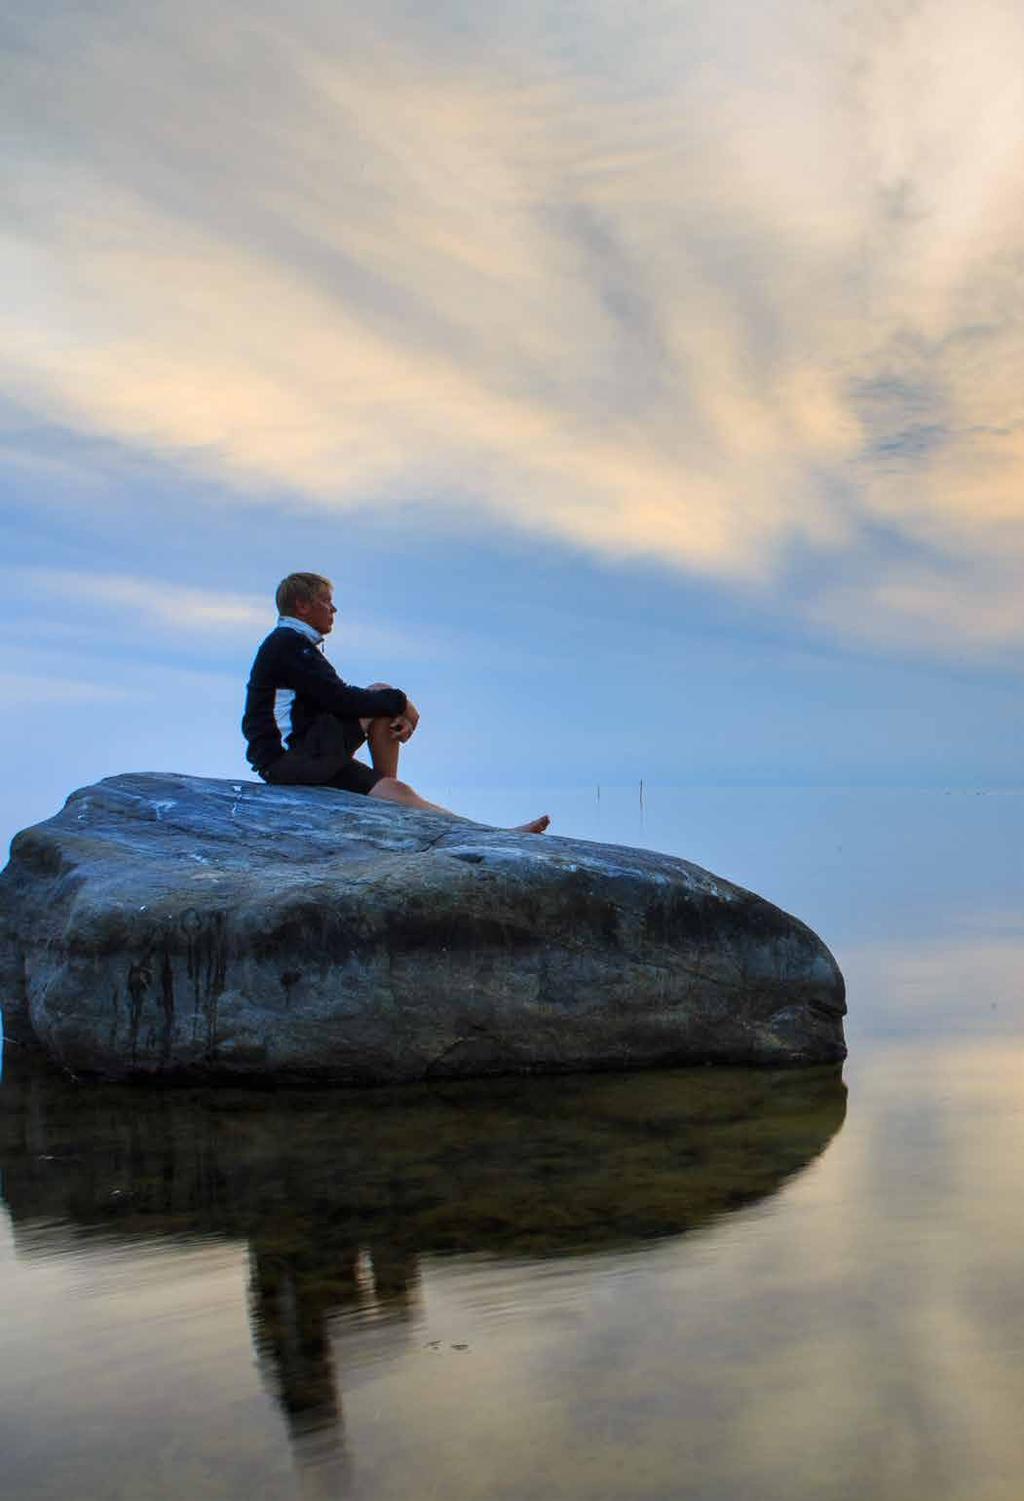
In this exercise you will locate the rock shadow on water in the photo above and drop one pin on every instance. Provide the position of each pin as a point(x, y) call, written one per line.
point(338, 1196)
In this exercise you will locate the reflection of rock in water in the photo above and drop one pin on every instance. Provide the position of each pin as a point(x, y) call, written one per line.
point(338, 1194)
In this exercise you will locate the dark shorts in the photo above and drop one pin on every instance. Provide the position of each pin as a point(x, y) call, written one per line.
point(325, 758)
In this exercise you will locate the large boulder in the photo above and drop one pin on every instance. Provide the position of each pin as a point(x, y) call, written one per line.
point(164, 924)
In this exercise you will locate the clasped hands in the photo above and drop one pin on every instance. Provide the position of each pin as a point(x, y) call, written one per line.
point(403, 725)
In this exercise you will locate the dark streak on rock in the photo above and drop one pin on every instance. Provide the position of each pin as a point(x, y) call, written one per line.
point(139, 979)
point(167, 1002)
point(206, 966)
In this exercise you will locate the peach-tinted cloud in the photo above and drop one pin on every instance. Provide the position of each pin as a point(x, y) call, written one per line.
point(20, 690)
point(148, 602)
point(718, 296)
point(138, 603)
point(968, 605)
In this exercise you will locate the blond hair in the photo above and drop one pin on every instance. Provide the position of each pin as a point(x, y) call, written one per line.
point(300, 588)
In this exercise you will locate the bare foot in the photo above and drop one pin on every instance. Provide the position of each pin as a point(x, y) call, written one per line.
point(537, 826)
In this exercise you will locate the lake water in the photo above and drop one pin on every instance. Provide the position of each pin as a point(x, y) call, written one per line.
point(725, 1285)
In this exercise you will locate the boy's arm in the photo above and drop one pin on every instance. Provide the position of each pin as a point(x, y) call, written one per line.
point(307, 671)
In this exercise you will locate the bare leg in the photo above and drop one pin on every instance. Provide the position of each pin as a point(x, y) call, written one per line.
point(391, 790)
point(383, 745)
point(385, 748)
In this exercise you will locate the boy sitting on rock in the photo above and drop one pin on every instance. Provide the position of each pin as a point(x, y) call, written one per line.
point(303, 723)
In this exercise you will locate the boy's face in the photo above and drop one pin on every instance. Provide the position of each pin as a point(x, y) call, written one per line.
point(318, 612)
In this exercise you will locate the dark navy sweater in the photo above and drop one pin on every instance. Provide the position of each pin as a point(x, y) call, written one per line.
point(290, 684)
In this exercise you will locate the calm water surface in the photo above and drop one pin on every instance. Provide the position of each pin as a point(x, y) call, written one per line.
point(697, 1283)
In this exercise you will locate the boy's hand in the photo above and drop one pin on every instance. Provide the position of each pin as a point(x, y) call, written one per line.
point(403, 726)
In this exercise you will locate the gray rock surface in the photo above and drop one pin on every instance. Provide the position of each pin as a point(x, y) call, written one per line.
point(164, 924)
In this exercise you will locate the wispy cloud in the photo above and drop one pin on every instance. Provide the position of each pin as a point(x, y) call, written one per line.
point(972, 606)
point(717, 295)
point(22, 689)
point(130, 602)
point(148, 602)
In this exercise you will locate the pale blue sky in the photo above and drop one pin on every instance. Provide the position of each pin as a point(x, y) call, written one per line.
point(649, 384)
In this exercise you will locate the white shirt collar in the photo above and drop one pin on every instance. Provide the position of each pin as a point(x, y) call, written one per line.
point(302, 626)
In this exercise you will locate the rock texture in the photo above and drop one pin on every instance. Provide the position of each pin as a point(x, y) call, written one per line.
point(164, 924)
